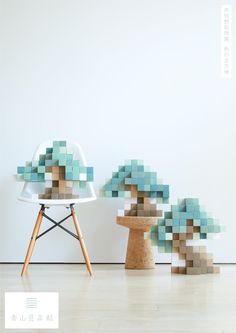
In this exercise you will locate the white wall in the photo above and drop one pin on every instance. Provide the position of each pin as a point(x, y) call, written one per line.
point(126, 79)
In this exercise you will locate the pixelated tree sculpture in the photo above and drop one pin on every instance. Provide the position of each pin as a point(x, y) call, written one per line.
point(138, 185)
point(177, 232)
point(59, 170)
point(134, 180)
point(58, 175)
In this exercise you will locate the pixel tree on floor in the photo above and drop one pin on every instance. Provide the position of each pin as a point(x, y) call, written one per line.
point(176, 232)
point(58, 169)
point(135, 182)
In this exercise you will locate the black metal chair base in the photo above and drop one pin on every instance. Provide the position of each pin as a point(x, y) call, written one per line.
point(57, 224)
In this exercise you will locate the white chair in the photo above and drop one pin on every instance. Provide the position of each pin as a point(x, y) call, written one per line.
point(30, 194)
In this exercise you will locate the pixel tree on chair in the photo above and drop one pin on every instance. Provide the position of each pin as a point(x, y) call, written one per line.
point(179, 231)
point(59, 170)
point(57, 175)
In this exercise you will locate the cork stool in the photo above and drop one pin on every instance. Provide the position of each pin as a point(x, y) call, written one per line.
point(139, 250)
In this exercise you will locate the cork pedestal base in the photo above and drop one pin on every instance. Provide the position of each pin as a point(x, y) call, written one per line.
point(139, 251)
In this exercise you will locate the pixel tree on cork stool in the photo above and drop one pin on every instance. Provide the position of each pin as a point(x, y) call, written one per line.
point(142, 191)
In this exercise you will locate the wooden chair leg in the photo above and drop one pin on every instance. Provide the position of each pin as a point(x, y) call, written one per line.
point(33, 240)
point(83, 248)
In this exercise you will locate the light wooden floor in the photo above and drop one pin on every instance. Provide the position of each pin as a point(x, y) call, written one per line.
point(118, 300)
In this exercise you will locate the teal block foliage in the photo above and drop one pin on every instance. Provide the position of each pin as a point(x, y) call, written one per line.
point(27, 176)
point(186, 213)
point(134, 172)
point(56, 155)
point(20, 170)
point(76, 163)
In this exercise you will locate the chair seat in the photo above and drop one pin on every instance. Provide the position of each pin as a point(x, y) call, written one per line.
point(56, 202)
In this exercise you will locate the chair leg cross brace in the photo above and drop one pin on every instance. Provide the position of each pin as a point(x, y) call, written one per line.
point(35, 235)
point(57, 224)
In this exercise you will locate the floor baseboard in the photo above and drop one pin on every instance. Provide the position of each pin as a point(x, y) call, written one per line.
point(94, 263)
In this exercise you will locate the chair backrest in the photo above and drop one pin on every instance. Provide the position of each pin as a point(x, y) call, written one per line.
point(80, 194)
